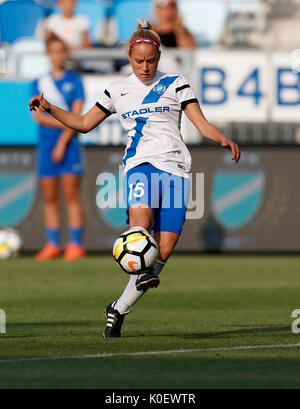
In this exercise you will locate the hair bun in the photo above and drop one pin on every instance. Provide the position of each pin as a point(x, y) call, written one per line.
point(143, 34)
point(144, 25)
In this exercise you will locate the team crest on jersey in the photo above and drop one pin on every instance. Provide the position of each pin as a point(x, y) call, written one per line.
point(159, 89)
point(237, 197)
point(17, 195)
point(67, 87)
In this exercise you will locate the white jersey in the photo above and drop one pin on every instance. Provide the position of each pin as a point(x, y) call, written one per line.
point(71, 30)
point(151, 114)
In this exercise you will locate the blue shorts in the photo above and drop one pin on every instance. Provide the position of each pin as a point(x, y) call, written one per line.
point(165, 193)
point(72, 163)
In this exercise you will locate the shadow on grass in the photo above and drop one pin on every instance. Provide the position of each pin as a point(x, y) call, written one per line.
point(65, 325)
point(245, 331)
point(13, 328)
point(221, 334)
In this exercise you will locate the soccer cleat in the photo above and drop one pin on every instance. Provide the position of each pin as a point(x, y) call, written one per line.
point(49, 252)
point(146, 281)
point(114, 322)
point(74, 252)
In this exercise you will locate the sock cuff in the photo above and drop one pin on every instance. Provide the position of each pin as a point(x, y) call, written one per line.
point(76, 228)
point(76, 235)
point(53, 235)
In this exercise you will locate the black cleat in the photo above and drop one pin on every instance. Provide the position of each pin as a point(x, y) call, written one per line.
point(146, 281)
point(114, 322)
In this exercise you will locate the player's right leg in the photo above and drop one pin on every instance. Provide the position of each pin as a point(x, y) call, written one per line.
point(116, 311)
point(71, 190)
point(50, 191)
point(140, 214)
point(71, 171)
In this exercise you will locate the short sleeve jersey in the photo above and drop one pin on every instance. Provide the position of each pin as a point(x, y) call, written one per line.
point(70, 86)
point(69, 29)
point(150, 113)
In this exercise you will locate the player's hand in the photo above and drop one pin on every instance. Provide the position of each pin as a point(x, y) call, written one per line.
point(59, 151)
point(39, 102)
point(234, 147)
point(179, 26)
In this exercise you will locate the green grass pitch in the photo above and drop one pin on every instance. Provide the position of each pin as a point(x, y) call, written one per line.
point(208, 306)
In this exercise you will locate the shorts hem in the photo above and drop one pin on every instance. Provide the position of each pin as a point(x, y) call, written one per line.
point(57, 175)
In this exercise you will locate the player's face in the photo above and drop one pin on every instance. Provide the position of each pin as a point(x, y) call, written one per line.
point(166, 9)
point(68, 7)
point(58, 54)
point(144, 59)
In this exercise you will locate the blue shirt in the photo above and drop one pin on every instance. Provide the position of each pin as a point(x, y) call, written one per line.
point(71, 87)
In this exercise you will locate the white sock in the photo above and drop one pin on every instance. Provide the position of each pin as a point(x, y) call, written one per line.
point(131, 295)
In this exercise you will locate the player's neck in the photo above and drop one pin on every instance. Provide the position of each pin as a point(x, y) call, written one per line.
point(68, 15)
point(150, 81)
point(58, 72)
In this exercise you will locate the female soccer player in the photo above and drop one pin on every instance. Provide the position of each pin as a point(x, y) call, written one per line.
point(59, 154)
point(149, 104)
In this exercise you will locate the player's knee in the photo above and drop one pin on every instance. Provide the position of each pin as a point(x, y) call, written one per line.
point(71, 195)
point(51, 198)
point(142, 217)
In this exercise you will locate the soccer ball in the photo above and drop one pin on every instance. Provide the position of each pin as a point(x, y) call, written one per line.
point(135, 251)
point(10, 243)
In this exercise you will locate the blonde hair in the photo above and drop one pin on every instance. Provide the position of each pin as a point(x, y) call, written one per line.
point(144, 32)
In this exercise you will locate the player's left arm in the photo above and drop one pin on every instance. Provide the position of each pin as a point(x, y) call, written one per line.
point(86, 41)
point(210, 131)
point(67, 134)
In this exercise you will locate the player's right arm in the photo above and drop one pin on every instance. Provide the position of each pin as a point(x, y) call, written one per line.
point(77, 122)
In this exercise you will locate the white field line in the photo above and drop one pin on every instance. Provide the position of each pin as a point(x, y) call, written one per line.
point(148, 353)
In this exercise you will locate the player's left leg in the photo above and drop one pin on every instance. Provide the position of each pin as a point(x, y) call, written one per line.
point(71, 191)
point(166, 241)
point(50, 191)
point(168, 223)
point(141, 216)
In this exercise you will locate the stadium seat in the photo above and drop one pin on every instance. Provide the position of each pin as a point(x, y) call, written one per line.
point(96, 11)
point(204, 18)
point(247, 6)
point(19, 19)
point(27, 58)
point(125, 13)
